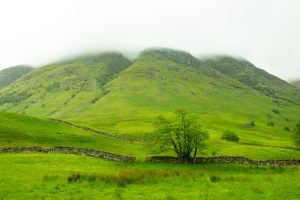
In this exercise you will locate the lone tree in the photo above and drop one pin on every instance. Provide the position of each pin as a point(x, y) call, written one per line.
point(297, 135)
point(181, 134)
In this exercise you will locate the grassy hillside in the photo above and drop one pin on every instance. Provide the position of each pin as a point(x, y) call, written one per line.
point(19, 130)
point(109, 93)
point(154, 85)
point(9, 75)
point(63, 87)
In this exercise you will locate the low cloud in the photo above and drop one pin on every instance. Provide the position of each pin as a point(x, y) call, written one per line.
point(264, 32)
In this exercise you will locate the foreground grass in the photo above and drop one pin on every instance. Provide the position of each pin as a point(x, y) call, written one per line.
point(43, 176)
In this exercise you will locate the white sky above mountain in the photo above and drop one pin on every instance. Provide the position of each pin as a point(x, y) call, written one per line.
point(266, 32)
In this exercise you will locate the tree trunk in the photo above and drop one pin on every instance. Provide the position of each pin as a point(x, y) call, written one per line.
point(195, 154)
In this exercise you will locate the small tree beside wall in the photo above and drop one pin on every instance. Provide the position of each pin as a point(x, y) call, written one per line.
point(181, 134)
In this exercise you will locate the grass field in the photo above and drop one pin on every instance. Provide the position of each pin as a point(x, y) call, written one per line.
point(42, 176)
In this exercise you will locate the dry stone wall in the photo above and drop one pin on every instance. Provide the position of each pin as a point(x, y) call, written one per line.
point(71, 150)
point(225, 159)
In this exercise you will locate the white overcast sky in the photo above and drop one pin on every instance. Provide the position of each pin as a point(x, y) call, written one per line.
point(266, 32)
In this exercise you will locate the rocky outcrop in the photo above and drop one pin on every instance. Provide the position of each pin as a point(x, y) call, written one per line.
point(225, 159)
point(71, 150)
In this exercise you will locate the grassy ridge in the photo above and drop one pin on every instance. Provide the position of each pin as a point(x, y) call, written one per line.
point(19, 130)
point(39, 176)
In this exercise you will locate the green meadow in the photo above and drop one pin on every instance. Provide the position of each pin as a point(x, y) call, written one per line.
point(40, 176)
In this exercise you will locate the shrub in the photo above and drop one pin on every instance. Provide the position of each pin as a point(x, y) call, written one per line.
point(95, 100)
point(230, 136)
point(269, 116)
point(286, 128)
point(287, 119)
point(272, 124)
point(125, 177)
point(275, 111)
point(250, 125)
point(214, 178)
point(213, 153)
point(74, 177)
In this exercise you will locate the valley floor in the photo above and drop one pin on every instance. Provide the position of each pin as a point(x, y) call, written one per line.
point(63, 176)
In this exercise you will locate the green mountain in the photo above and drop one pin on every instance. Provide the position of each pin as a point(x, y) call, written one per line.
point(296, 83)
point(63, 87)
point(110, 93)
point(9, 75)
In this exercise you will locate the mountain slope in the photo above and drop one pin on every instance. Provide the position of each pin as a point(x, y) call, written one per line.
point(62, 87)
point(255, 78)
point(9, 75)
point(158, 84)
point(109, 93)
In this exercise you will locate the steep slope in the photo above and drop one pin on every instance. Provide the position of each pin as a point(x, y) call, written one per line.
point(63, 87)
point(255, 78)
point(296, 83)
point(9, 75)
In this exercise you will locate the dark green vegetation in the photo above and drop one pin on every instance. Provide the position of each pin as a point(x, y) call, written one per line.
point(42, 176)
point(230, 136)
point(11, 74)
point(182, 135)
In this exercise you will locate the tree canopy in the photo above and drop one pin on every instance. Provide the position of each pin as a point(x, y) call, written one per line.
point(181, 134)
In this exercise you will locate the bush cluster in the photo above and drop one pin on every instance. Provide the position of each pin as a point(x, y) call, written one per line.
point(230, 136)
point(272, 124)
point(276, 111)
